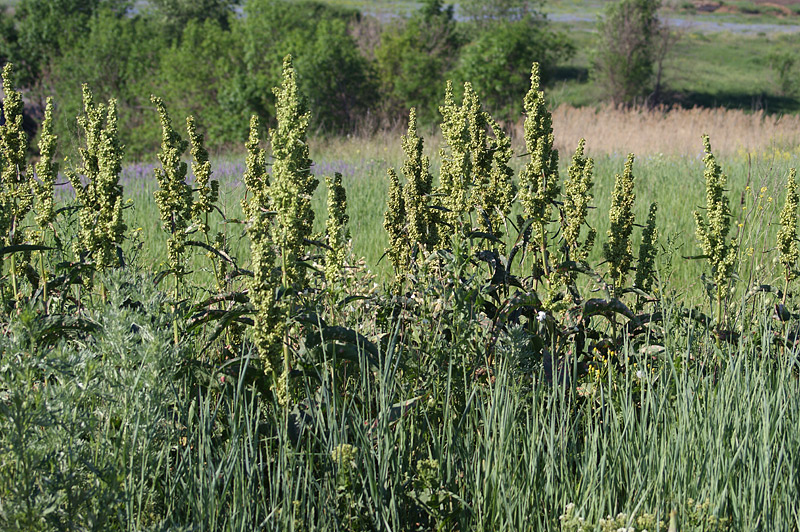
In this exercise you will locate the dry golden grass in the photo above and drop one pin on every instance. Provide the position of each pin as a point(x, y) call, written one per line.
point(675, 132)
point(671, 132)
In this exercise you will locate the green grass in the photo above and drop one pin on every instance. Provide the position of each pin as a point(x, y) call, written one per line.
point(657, 179)
point(129, 434)
point(704, 69)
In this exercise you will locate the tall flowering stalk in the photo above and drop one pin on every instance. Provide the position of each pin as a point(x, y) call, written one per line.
point(16, 198)
point(173, 197)
point(617, 250)
point(645, 265)
point(102, 224)
point(281, 221)
point(577, 196)
point(712, 231)
point(787, 235)
point(475, 175)
point(293, 184)
point(456, 170)
point(394, 221)
point(46, 172)
point(539, 179)
point(265, 283)
point(422, 227)
point(336, 230)
point(207, 190)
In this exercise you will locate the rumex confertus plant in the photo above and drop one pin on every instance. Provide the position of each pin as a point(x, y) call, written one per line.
point(16, 194)
point(394, 221)
point(787, 235)
point(337, 234)
point(422, 220)
point(102, 226)
point(207, 190)
point(410, 220)
point(281, 220)
point(576, 198)
point(174, 196)
point(538, 181)
point(645, 265)
point(46, 172)
point(617, 250)
point(264, 285)
point(174, 199)
point(475, 177)
point(712, 230)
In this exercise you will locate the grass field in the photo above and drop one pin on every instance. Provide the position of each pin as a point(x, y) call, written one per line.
point(480, 389)
point(755, 151)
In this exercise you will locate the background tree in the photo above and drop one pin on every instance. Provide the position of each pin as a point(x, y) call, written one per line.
point(45, 29)
point(630, 36)
point(498, 61)
point(334, 78)
point(413, 58)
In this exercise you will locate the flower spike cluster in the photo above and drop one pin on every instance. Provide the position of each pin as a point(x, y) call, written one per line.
point(336, 230)
point(264, 285)
point(16, 199)
point(712, 232)
point(475, 174)
point(174, 196)
point(577, 196)
point(645, 267)
point(787, 235)
point(207, 188)
point(101, 220)
point(539, 179)
point(617, 250)
point(422, 228)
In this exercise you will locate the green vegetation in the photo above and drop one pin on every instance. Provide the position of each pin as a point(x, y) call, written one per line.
point(212, 343)
point(502, 381)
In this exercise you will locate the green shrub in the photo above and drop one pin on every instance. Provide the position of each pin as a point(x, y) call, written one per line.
point(497, 61)
point(333, 77)
point(414, 57)
point(624, 59)
point(118, 57)
point(213, 94)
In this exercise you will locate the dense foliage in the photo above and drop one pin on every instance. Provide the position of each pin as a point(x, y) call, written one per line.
point(127, 50)
point(500, 381)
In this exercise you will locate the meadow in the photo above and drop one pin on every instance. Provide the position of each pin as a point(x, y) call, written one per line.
point(180, 355)
point(549, 314)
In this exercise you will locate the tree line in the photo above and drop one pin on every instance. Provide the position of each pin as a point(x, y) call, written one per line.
point(216, 59)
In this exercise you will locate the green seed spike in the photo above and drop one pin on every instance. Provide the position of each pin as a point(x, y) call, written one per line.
point(787, 235)
point(395, 225)
point(577, 196)
point(102, 226)
point(645, 267)
point(712, 231)
point(46, 170)
point(207, 189)
point(539, 179)
point(617, 250)
point(475, 175)
point(422, 226)
point(293, 184)
point(456, 170)
point(174, 196)
point(268, 328)
point(16, 194)
point(336, 227)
